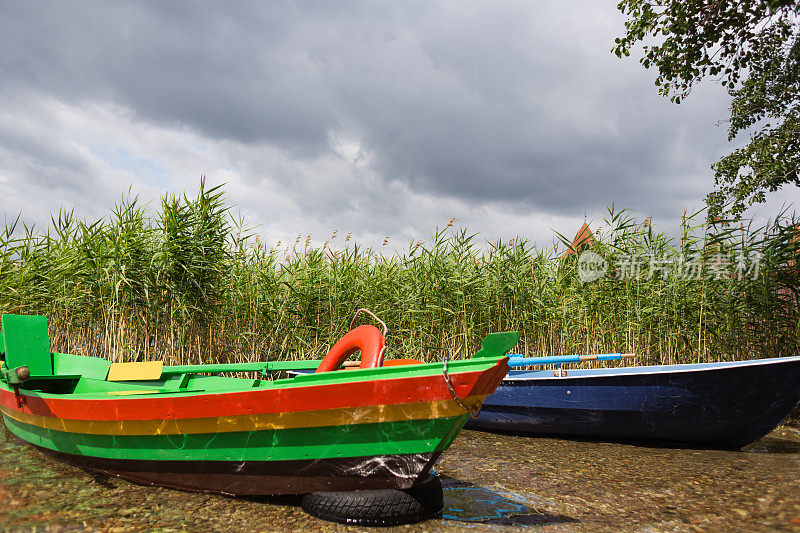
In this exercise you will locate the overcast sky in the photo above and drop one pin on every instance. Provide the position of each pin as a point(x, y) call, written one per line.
point(376, 118)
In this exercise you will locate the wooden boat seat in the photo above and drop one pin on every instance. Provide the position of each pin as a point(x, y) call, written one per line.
point(148, 371)
point(216, 368)
point(155, 370)
point(138, 371)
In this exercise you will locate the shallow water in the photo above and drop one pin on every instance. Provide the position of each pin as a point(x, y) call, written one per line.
point(492, 482)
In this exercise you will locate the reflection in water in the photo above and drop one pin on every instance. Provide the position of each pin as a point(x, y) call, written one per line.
point(465, 502)
point(771, 444)
point(491, 482)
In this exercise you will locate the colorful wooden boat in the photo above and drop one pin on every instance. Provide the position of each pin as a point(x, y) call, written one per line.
point(179, 427)
point(723, 405)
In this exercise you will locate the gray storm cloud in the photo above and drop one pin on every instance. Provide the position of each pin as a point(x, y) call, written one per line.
point(510, 106)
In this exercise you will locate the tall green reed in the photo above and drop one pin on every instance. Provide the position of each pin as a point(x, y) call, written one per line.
point(186, 283)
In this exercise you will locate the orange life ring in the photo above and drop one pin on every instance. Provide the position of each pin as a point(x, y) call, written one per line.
point(368, 339)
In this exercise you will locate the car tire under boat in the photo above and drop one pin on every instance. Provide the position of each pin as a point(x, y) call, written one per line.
point(387, 507)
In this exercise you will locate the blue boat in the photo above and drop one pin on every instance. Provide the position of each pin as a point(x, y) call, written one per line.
point(718, 405)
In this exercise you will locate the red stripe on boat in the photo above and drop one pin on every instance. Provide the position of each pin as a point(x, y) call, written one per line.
point(290, 399)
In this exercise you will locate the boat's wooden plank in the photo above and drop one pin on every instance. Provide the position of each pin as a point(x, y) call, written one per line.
point(59, 376)
point(271, 366)
point(132, 392)
point(140, 371)
point(89, 367)
point(310, 364)
point(276, 443)
point(214, 368)
point(178, 384)
point(156, 425)
point(137, 392)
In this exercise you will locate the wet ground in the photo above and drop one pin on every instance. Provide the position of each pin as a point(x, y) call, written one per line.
point(492, 483)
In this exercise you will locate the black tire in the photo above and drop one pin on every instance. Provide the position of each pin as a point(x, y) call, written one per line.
point(386, 507)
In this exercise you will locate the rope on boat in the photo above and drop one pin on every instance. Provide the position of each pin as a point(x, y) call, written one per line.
point(473, 413)
point(382, 353)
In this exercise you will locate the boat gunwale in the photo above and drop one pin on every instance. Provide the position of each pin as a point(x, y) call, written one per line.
point(593, 373)
point(240, 385)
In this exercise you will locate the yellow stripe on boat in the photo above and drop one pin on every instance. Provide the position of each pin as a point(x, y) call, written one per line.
point(258, 422)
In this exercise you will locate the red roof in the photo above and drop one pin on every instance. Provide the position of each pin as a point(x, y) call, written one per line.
point(583, 239)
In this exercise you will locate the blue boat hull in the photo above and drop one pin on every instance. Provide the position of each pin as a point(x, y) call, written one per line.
point(723, 405)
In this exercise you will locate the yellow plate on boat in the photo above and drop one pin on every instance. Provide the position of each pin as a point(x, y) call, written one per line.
point(143, 371)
